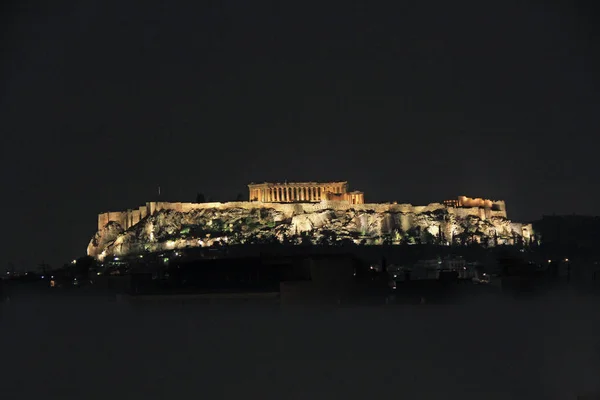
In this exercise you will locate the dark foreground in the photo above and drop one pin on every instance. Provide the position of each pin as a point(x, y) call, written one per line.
point(70, 346)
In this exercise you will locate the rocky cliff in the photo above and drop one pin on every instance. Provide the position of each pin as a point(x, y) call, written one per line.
point(171, 229)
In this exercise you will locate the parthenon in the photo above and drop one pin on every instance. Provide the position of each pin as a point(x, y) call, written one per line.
point(290, 192)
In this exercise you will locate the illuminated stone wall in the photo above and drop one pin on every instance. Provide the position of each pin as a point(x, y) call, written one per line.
point(132, 216)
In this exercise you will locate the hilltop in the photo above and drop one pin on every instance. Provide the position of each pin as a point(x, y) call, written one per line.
point(260, 223)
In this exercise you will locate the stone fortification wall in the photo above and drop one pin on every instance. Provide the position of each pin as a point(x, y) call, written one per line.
point(129, 218)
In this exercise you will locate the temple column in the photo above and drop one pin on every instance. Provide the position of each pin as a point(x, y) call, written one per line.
point(276, 194)
point(302, 194)
point(287, 194)
point(313, 195)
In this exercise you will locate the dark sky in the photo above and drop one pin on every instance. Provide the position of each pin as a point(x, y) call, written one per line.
point(102, 101)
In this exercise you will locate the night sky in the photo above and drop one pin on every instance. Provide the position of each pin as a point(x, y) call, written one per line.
point(103, 101)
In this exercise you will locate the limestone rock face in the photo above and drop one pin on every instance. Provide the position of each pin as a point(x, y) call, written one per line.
point(104, 238)
point(170, 229)
point(308, 222)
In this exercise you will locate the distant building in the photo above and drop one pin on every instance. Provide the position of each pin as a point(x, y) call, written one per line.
point(469, 202)
point(290, 192)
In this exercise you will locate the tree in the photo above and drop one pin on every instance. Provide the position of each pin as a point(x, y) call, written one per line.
point(200, 198)
point(387, 240)
point(239, 197)
point(427, 237)
point(305, 239)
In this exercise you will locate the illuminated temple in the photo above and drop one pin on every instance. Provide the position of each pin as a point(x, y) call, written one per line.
point(292, 192)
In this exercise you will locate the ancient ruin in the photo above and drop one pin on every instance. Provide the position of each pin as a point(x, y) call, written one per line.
point(303, 192)
point(308, 212)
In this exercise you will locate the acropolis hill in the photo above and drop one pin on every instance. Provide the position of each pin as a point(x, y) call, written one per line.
point(303, 212)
